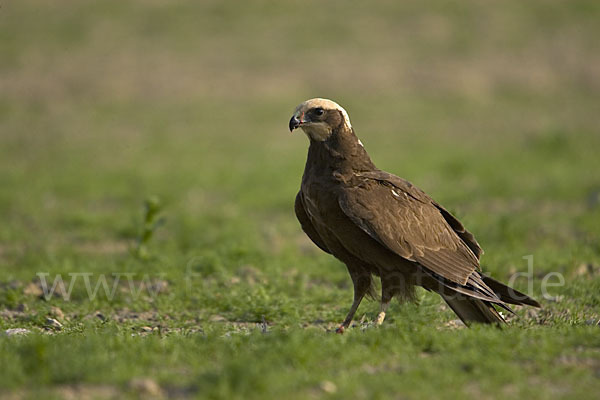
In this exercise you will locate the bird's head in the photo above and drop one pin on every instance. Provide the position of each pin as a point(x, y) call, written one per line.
point(319, 118)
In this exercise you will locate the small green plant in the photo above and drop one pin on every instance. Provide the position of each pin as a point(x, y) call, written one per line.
point(152, 221)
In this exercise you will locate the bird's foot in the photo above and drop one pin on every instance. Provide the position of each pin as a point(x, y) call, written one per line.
point(340, 330)
point(380, 318)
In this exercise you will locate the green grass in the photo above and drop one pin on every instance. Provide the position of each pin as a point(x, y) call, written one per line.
point(492, 109)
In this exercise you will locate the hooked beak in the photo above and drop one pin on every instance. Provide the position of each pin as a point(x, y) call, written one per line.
point(295, 122)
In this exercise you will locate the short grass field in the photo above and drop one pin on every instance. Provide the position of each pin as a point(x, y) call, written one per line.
point(146, 164)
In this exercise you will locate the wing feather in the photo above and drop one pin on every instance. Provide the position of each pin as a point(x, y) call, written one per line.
point(421, 196)
point(407, 222)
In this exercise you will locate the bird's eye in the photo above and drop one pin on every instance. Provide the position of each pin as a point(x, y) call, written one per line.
point(319, 111)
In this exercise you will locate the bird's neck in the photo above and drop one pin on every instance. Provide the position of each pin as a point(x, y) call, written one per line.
point(341, 153)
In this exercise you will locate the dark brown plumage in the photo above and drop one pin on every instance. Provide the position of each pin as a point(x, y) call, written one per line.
point(381, 225)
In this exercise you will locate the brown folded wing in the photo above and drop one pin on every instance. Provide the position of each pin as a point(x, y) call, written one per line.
point(406, 221)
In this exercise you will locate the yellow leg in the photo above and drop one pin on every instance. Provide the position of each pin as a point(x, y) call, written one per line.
point(381, 315)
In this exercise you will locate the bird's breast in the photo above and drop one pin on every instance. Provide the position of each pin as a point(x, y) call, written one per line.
point(320, 198)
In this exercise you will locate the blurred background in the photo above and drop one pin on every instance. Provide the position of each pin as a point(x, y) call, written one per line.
point(493, 108)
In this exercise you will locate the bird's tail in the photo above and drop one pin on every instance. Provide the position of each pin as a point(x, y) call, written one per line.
point(470, 309)
point(508, 294)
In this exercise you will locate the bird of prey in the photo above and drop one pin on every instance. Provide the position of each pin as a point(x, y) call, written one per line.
point(381, 225)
